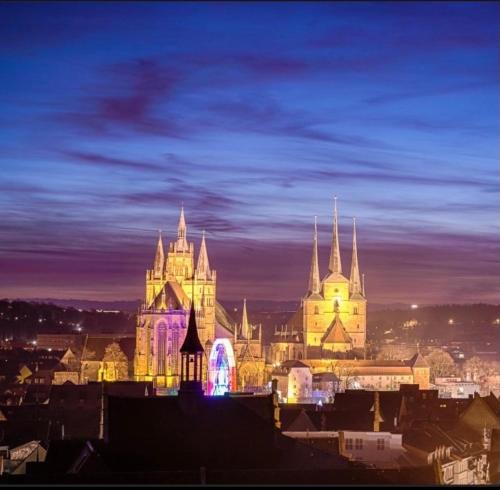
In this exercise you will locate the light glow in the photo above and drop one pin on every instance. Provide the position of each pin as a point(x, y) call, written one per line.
point(221, 368)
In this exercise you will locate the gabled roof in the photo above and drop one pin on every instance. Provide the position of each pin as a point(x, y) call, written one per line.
point(335, 277)
point(336, 333)
point(418, 361)
point(170, 296)
point(96, 344)
point(294, 364)
point(302, 422)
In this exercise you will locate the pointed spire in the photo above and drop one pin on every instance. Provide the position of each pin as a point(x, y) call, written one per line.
point(159, 257)
point(203, 267)
point(245, 329)
point(181, 244)
point(314, 282)
point(192, 344)
point(354, 281)
point(363, 284)
point(335, 264)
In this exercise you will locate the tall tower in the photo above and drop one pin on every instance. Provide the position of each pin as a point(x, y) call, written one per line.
point(313, 303)
point(356, 322)
point(335, 285)
point(203, 288)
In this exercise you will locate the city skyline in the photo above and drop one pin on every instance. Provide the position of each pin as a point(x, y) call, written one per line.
point(253, 118)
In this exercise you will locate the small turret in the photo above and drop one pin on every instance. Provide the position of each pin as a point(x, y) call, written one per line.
point(203, 267)
point(181, 245)
point(245, 327)
point(159, 262)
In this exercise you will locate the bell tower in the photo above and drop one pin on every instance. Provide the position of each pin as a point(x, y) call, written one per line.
point(191, 359)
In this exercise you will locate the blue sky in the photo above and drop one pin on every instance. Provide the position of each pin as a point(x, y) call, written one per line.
point(254, 115)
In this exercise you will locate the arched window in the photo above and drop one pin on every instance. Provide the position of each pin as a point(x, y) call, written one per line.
point(355, 310)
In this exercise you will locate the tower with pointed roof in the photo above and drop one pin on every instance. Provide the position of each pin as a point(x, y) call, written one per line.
point(173, 284)
point(332, 315)
point(249, 353)
point(191, 358)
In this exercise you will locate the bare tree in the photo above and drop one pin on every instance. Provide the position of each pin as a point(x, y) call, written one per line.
point(114, 356)
point(441, 364)
point(478, 369)
point(344, 374)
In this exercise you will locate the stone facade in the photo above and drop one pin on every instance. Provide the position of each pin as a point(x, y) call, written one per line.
point(171, 285)
point(328, 330)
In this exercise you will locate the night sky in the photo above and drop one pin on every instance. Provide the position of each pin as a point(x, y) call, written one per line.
point(255, 116)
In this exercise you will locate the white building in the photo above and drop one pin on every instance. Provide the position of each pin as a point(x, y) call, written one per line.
point(377, 449)
point(456, 388)
point(294, 380)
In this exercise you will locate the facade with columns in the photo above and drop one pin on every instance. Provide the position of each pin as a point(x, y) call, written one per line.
point(331, 318)
point(173, 284)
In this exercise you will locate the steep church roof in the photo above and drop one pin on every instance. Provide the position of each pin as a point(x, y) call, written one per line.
point(418, 361)
point(223, 319)
point(171, 295)
point(336, 333)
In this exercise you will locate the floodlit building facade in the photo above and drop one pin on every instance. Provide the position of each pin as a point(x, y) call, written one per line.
point(172, 285)
point(328, 330)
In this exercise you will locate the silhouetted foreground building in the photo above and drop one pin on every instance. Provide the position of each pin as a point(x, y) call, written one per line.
point(238, 438)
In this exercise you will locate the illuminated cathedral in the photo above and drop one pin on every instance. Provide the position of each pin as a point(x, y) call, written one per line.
point(331, 318)
point(233, 353)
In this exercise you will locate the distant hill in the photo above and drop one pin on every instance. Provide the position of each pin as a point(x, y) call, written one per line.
point(23, 320)
point(261, 305)
point(84, 304)
point(470, 322)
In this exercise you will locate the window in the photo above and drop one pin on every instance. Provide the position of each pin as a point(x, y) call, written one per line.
point(355, 312)
point(359, 444)
point(316, 310)
point(348, 443)
point(380, 444)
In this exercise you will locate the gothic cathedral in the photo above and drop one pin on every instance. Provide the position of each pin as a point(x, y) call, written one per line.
point(233, 354)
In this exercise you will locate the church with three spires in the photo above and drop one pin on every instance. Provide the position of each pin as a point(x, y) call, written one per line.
point(331, 318)
point(326, 333)
point(232, 353)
